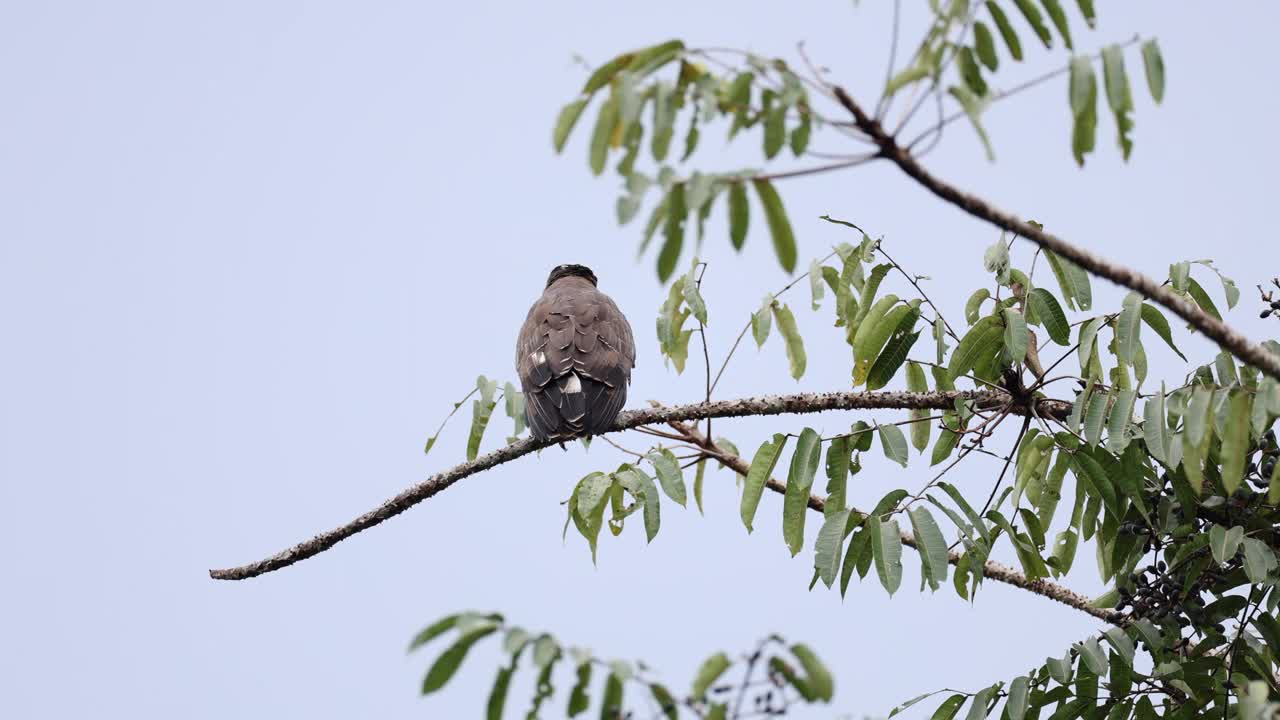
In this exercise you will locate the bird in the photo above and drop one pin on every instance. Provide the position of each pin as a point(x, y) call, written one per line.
point(574, 357)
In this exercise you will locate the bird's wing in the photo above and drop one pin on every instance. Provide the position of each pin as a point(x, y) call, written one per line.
point(574, 357)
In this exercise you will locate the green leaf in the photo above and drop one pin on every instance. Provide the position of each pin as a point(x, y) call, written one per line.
point(933, 548)
point(1017, 704)
point(895, 350)
point(565, 121)
point(817, 676)
point(481, 411)
point(1095, 417)
point(664, 120)
point(498, 694)
point(698, 476)
point(1202, 298)
point(602, 134)
point(762, 321)
point(1086, 9)
point(1153, 63)
point(611, 702)
point(1123, 646)
point(886, 549)
point(951, 705)
point(973, 308)
point(710, 671)
point(1128, 327)
point(940, 338)
point(981, 342)
point(1157, 322)
point(1093, 656)
point(739, 216)
point(816, 288)
point(1224, 543)
point(434, 630)
point(804, 464)
point(1073, 280)
point(1059, 19)
point(908, 75)
point(762, 465)
point(1035, 20)
point(666, 703)
point(784, 241)
point(1235, 442)
point(970, 72)
point(673, 232)
point(579, 700)
point(1088, 335)
point(973, 107)
point(693, 296)
point(775, 129)
point(837, 466)
point(800, 134)
point(1269, 628)
point(791, 338)
point(1118, 97)
point(1118, 421)
point(978, 710)
point(605, 73)
point(894, 443)
point(827, 549)
point(447, 664)
point(984, 45)
point(645, 491)
point(1015, 335)
point(1011, 41)
point(874, 328)
point(718, 711)
point(1273, 488)
point(920, 429)
point(670, 476)
point(513, 401)
point(1154, 430)
point(1045, 307)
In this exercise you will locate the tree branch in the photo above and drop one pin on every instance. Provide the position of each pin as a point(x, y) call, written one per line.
point(766, 405)
point(991, 569)
point(1228, 338)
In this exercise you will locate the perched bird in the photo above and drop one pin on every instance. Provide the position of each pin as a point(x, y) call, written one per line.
point(574, 357)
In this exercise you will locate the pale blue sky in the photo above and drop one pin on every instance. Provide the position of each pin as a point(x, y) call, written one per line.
point(251, 251)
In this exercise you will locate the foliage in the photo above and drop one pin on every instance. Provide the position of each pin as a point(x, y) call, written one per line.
point(768, 680)
point(1174, 483)
point(672, 88)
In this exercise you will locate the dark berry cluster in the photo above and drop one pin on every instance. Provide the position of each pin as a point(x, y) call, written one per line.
point(1260, 472)
point(1273, 305)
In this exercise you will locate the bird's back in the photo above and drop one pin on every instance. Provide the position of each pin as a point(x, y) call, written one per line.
point(574, 357)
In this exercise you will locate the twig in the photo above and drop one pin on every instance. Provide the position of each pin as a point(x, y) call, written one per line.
point(1224, 335)
point(883, 106)
point(1002, 95)
point(991, 569)
point(631, 419)
point(445, 421)
point(747, 326)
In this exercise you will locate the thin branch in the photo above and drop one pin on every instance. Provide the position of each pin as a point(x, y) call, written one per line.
point(991, 569)
point(1224, 335)
point(747, 326)
point(766, 405)
point(1003, 95)
point(883, 106)
point(910, 278)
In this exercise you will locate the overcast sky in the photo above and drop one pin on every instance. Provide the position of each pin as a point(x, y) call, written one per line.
point(250, 253)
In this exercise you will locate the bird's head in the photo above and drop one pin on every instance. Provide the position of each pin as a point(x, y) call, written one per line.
point(564, 271)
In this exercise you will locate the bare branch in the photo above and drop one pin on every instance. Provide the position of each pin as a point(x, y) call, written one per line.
point(766, 405)
point(1224, 335)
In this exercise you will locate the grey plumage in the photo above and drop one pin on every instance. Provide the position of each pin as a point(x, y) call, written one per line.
point(574, 357)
